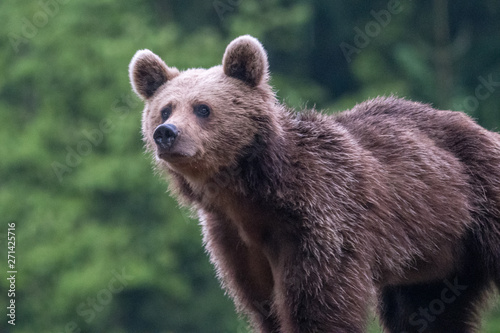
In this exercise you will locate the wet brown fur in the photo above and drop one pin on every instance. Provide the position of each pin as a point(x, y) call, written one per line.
point(312, 220)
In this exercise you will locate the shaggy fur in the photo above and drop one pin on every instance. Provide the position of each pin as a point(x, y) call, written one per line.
point(313, 220)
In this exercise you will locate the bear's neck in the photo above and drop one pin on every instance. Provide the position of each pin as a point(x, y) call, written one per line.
point(258, 171)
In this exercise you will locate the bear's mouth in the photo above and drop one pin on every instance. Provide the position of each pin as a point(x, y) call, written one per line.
point(172, 156)
point(180, 153)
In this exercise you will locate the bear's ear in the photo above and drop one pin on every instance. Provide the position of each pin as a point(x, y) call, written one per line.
point(245, 59)
point(148, 72)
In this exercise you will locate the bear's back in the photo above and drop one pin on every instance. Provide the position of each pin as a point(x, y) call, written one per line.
point(406, 134)
point(390, 121)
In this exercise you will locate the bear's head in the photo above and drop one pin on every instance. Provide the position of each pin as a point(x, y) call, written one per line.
point(200, 120)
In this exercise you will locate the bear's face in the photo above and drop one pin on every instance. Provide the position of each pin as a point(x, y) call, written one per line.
point(200, 120)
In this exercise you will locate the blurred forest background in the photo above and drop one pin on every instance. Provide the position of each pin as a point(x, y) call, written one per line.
point(101, 247)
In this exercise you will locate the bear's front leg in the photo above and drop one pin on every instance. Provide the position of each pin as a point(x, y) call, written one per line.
point(323, 292)
point(244, 271)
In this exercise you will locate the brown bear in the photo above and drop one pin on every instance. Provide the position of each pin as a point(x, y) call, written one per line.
point(312, 221)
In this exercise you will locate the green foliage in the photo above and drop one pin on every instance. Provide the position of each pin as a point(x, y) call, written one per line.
point(101, 247)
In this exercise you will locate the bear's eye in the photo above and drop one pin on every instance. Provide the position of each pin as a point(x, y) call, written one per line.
point(202, 111)
point(165, 113)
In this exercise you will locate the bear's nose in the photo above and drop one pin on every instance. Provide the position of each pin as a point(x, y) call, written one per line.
point(164, 135)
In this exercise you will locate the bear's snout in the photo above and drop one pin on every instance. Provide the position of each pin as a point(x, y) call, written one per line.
point(165, 135)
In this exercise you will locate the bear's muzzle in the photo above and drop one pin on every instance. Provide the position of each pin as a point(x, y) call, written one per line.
point(165, 135)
